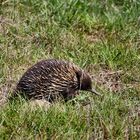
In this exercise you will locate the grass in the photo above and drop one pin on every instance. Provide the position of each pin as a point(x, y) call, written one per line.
point(99, 36)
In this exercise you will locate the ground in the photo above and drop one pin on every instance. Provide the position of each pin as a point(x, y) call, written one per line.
point(102, 37)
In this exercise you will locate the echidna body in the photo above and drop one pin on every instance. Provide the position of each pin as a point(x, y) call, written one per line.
point(50, 79)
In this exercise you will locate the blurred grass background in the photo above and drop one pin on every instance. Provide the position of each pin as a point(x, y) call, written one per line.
point(102, 37)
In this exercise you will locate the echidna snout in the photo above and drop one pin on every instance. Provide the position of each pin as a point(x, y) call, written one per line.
point(86, 82)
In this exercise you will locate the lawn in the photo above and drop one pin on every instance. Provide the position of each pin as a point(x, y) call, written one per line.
point(102, 37)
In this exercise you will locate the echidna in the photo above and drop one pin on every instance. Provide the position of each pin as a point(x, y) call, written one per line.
point(52, 78)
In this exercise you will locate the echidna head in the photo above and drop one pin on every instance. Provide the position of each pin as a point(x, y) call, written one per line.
point(85, 82)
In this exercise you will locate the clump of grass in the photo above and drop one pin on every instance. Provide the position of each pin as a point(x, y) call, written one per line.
point(102, 118)
point(99, 37)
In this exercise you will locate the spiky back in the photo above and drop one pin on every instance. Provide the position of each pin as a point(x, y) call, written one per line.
point(49, 77)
